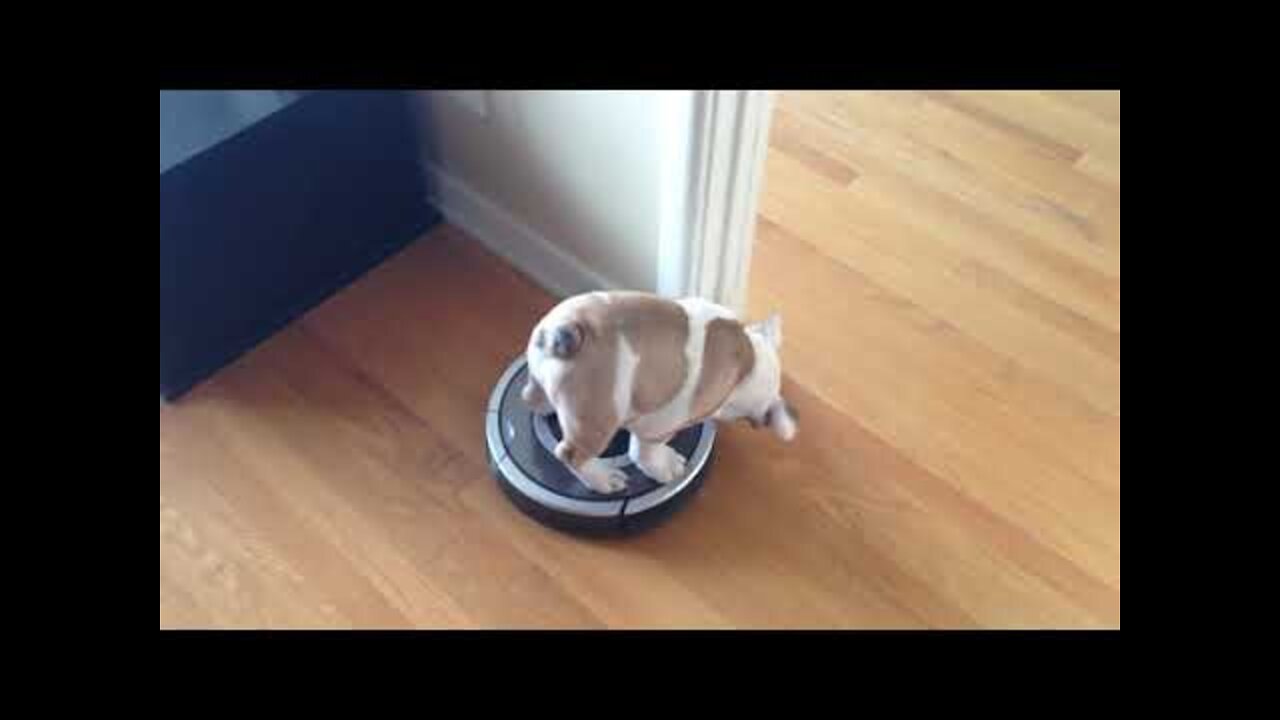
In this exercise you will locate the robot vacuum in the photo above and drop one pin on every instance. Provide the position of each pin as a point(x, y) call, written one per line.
point(521, 448)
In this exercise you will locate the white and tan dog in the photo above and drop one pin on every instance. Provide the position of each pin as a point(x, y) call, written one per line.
point(608, 360)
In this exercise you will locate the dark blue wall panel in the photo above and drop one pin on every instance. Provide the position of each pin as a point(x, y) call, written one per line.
point(259, 228)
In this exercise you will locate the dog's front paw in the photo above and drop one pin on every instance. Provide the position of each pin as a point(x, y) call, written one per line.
point(662, 463)
point(602, 477)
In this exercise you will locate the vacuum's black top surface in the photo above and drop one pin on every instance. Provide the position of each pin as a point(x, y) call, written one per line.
point(522, 445)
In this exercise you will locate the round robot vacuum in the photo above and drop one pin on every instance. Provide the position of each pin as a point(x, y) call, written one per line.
point(521, 445)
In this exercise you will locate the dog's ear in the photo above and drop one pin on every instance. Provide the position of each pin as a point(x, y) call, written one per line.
point(771, 329)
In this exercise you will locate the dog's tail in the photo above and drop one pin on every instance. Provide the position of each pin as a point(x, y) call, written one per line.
point(783, 419)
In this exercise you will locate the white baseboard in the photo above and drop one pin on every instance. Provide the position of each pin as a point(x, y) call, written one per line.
point(509, 237)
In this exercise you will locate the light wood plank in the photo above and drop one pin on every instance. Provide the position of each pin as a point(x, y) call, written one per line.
point(948, 270)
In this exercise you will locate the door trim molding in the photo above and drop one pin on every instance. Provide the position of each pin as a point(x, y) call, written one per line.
point(715, 145)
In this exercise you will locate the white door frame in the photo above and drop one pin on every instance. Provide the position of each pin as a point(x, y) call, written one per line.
point(713, 157)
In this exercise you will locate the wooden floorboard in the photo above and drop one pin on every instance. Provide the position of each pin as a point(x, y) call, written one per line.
point(947, 266)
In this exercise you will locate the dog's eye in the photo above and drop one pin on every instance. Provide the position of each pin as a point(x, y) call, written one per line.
point(565, 341)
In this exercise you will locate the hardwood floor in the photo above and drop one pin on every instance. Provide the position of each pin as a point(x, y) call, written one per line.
point(948, 267)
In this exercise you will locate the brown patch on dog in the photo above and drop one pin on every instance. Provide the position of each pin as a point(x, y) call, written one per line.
point(727, 358)
point(656, 330)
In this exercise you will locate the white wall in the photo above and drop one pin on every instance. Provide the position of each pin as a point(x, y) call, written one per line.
point(564, 184)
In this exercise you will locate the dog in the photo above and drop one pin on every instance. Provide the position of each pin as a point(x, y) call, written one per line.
point(604, 361)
